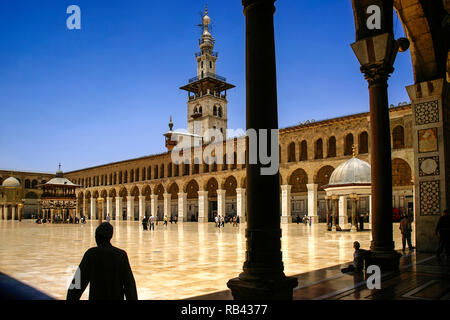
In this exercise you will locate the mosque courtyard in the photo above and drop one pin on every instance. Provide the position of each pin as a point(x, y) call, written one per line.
point(175, 262)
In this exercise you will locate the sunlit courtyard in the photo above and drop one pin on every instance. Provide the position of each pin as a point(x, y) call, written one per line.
point(174, 262)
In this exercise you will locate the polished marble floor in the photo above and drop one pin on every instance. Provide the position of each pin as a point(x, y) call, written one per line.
point(174, 262)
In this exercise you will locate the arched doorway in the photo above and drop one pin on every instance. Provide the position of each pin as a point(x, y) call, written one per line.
point(299, 193)
point(192, 200)
point(211, 186)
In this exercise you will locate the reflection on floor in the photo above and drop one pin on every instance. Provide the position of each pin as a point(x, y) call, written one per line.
point(174, 262)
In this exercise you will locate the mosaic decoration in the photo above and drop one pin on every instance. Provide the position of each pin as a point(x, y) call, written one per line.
point(427, 112)
point(429, 166)
point(430, 199)
point(428, 140)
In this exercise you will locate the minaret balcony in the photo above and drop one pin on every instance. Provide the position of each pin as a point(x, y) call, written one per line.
point(214, 54)
point(208, 75)
point(214, 94)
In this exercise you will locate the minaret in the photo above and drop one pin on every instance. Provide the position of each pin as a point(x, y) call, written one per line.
point(207, 92)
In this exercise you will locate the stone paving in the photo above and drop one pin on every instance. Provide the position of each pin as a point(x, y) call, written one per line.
point(175, 262)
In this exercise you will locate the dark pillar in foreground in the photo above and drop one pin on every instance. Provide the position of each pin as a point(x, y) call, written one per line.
point(376, 50)
point(263, 276)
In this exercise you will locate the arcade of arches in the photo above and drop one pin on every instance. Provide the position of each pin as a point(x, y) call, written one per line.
point(197, 192)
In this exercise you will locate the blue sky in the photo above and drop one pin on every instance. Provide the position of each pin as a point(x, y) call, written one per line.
point(105, 93)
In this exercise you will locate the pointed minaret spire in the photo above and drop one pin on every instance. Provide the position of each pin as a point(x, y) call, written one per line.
point(170, 124)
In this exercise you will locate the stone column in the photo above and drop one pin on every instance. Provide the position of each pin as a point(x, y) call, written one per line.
point(343, 216)
point(92, 215)
point(77, 208)
point(154, 205)
point(335, 208)
point(84, 208)
point(327, 213)
point(182, 207)
point(376, 55)
point(354, 227)
point(370, 212)
point(221, 202)
point(109, 206)
point(240, 203)
point(262, 276)
point(286, 204)
point(19, 211)
point(431, 117)
point(100, 209)
point(312, 202)
point(119, 208)
point(52, 214)
point(130, 208)
point(167, 198)
point(203, 206)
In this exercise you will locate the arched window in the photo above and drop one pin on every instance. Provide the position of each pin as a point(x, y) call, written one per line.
point(169, 170)
point(144, 177)
point(200, 110)
point(115, 178)
point(149, 173)
point(363, 143)
point(398, 137)
point(303, 151)
point(215, 111)
point(219, 112)
point(125, 178)
point(132, 175)
point(348, 145)
point(196, 168)
point(161, 171)
point(155, 175)
point(27, 184)
point(177, 170)
point(318, 153)
point(186, 169)
point(331, 147)
point(120, 177)
point(291, 152)
point(206, 165)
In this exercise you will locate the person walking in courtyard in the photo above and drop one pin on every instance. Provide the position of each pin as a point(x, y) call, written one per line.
point(144, 223)
point(152, 223)
point(406, 229)
point(216, 220)
point(222, 221)
point(443, 230)
point(106, 269)
point(108, 218)
point(175, 219)
point(235, 221)
point(165, 221)
point(297, 219)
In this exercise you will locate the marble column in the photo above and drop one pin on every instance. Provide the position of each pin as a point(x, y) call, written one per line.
point(263, 270)
point(286, 204)
point(354, 200)
point(77, 208)
point(130, 208)
point(327, 208)
point(221, 202)
point(84, 208)
point(119, 208)
point(335, 213)
point(52, 214)
point(240, 203)
point(167, 199)
point(92, 215)
point(154, 205)
point(141, 207)
point(100, 209)
point(376, 51)
point(182, 207)
point(109, 206)
point(202, 206)
point(312, 202)
point(343, 215)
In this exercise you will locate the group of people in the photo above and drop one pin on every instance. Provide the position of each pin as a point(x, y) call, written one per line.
point(220, 221)
point(148, 223)
point(305, 220)
point(58, 219)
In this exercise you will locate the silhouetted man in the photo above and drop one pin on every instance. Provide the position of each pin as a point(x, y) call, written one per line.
point(443, 230)
point(106, 268)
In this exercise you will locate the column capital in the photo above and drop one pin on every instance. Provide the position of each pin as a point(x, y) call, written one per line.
point(286, 187)
point(202, 193)
point(312, 186)
point(141, 197)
